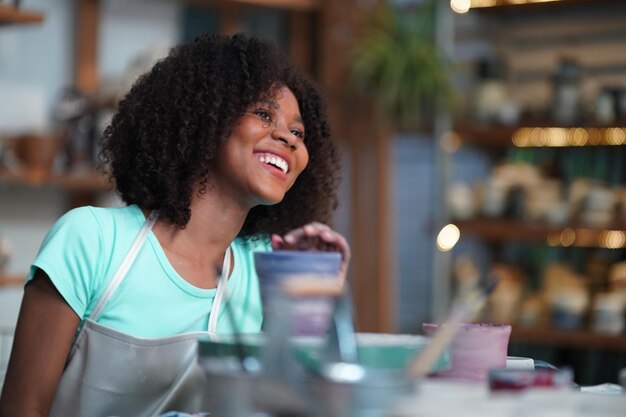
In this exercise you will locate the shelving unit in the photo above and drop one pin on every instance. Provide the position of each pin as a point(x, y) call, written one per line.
point(526, 43)
point(72, 182)
point(497, 231)
point(13, 16)
point(576, 345)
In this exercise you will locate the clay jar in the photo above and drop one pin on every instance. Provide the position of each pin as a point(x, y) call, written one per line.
point(36, 153)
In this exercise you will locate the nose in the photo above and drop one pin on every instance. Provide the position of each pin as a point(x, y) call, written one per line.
point(285, 136)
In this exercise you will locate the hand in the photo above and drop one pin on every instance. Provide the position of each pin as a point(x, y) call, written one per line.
point(315, 237)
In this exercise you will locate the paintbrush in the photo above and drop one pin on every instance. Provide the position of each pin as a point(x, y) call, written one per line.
point(465, 309)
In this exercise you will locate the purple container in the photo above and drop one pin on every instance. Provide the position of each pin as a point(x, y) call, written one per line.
point(476, 348)
point(311, 315)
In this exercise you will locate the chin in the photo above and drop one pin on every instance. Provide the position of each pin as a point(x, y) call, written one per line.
point(268, 196)
point(270, 200)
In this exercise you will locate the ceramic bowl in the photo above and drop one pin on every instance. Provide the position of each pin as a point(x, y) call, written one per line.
point(375, 350)
point(476, 348)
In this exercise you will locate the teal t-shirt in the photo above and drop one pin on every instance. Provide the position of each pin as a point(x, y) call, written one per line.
point(84, 248)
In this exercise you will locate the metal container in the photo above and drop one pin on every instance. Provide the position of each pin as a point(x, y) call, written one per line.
point(228, 390)
point(350, 390)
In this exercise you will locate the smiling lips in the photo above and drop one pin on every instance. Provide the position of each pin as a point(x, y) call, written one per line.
point(274, 160)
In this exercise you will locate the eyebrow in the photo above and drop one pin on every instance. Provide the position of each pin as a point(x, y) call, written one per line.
point(274, 105)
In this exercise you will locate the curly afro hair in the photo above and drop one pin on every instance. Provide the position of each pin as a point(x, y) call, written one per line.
point(163, 139)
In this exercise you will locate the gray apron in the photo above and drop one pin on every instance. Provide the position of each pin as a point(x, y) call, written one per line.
point(109, 373)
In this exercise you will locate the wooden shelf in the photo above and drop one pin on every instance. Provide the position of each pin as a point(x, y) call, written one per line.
point(501, 230)
point(542, 135)
point(12, 279)
point(487, 136)
point(302, 5)
point(509, 5)
point(13, 16)
point(583, 339)
point(90, 181)
point(282, 4)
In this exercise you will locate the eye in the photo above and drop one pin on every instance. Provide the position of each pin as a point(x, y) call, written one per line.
point(263, 114)
point(298, 133)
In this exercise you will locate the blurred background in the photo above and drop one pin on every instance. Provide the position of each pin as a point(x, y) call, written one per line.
point(480, 138)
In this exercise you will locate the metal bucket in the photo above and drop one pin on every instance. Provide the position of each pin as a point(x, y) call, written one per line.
point(228, 390)
point(240, 394)
point(350, 390)
point(341, 386)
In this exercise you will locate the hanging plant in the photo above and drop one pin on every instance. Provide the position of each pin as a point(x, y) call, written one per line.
point(399, 66)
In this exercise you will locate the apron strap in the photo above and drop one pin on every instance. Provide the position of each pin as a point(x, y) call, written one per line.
point(220, 293)
point(125, 265)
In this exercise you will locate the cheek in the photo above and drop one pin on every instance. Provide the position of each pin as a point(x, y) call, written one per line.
point(303, 160)
point(247, 129)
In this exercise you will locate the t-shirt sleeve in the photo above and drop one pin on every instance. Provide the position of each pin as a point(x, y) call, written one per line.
point(70, 256)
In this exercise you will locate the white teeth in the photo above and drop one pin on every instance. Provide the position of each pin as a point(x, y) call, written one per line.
point(275, 160)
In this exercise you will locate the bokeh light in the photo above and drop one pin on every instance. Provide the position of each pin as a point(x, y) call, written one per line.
point(448, 237)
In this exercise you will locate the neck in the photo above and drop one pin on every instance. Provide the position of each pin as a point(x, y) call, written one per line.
point(198, 248)
point(213, 226)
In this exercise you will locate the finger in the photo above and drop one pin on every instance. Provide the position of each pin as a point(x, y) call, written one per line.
point(343, 247)
point(293, 236)
point(277, 242)
point(298, 235)
point(308, 230)
point(330, 236)
point(309, 243)
point(315, 228)
point(335, 240)
point(317, 236)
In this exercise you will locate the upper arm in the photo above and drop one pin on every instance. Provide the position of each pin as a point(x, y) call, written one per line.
point(43, 337)
point(72, 255)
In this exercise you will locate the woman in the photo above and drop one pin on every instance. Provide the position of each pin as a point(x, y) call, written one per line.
point(222, 149)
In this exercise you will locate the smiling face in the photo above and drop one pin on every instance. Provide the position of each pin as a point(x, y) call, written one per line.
point(265, 153)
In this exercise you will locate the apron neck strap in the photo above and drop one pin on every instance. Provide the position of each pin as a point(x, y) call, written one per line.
point(119, 275)
point(221, 293)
